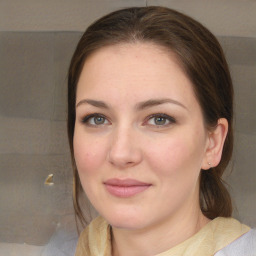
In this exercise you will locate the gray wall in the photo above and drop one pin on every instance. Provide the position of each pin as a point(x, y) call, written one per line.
point(34, 54)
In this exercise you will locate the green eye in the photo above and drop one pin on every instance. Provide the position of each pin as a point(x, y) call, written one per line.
point(99, 120)
point(160, 120)
point(95, 120)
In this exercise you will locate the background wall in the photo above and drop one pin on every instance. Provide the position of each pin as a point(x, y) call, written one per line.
point(37, 39)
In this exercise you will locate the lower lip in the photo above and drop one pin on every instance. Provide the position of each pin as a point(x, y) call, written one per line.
point(125, 191)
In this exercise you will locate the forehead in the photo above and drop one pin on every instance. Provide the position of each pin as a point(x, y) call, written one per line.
point(136, 69)
point(137, 51)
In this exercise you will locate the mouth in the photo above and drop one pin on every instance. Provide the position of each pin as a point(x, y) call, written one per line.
point(125, 188)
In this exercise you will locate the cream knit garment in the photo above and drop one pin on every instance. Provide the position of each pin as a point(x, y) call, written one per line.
point(95, 240)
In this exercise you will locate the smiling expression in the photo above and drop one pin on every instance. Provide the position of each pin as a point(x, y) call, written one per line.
point(140, 140)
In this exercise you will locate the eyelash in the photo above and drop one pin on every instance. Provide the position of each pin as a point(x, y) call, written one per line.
point(161, 115)
point(171, 120)
point(87, 118)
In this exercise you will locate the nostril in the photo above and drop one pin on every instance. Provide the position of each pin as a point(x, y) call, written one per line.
point(125, 159)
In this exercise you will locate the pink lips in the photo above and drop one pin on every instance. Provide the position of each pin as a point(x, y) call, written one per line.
point(125, 188)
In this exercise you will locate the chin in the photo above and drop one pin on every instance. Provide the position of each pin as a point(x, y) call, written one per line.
point(125, 221)
point(128, 225)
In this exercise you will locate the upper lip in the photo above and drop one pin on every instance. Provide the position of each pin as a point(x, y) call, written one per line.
point(125, 182)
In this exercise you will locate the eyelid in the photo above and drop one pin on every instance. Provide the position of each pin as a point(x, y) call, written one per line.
point(171, 119)
point(86, 118)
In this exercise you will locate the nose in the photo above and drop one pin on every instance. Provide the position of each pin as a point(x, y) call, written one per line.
point(124, 150)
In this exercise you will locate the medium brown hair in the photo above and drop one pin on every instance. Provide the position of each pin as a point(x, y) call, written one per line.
point(201, 58)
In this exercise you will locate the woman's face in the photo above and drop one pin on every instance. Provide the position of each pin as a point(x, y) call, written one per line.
point(140, 139)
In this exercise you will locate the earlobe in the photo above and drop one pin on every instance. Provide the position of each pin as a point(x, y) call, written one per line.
point(215, 144)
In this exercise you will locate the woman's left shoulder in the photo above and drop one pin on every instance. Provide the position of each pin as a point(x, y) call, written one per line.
point(245, 245)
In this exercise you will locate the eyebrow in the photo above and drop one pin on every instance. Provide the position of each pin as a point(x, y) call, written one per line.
point(139, 106)
point(156, 102)
point(95, 103)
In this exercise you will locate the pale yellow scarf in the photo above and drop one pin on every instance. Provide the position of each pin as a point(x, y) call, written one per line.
point(95, 240)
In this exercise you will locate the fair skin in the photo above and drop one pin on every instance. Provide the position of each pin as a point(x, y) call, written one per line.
point(138, 120)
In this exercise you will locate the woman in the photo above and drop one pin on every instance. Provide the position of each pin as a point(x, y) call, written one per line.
point(150, 109)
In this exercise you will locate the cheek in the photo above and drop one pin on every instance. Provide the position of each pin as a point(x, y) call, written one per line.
point(177, 155)
point(89, 154)
point(176, 164)
point(167, 155)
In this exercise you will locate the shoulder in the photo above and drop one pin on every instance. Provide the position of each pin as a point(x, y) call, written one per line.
point(223, 231)
point(94, 239)
point(226, 230)
point(244, 245)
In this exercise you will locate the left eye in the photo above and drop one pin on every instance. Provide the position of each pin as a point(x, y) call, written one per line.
point(160, 120)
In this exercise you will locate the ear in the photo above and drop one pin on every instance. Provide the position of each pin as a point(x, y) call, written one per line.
point(214, 147)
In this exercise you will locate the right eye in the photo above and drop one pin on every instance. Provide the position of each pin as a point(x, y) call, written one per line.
point(95, 120)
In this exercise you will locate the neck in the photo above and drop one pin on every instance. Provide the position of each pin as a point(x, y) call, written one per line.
point(158, 238)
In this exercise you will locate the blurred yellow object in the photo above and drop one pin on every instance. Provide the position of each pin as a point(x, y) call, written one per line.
point(49, 180)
